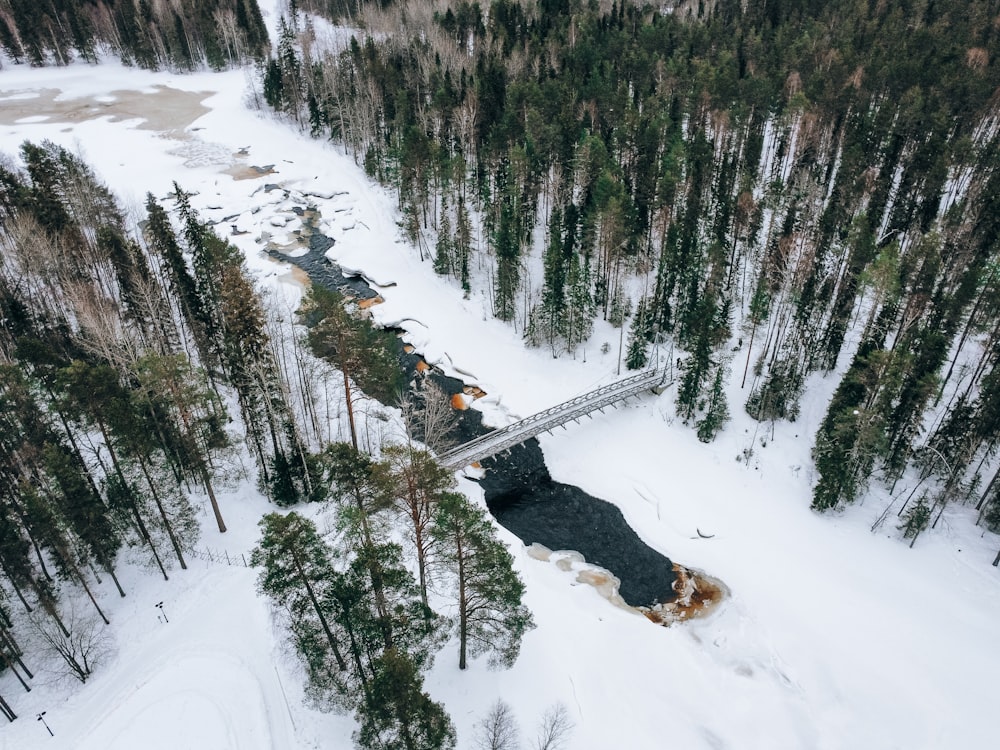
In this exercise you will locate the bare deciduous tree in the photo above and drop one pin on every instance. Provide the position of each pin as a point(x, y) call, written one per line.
point(498, 729)
point(87, 644)
point(553, 734)
point(429, 416)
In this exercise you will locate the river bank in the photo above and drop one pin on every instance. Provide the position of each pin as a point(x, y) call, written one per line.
point(517, 486)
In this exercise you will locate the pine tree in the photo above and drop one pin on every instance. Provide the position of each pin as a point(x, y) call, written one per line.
point(491, 615)
point(363, 354)
point(379, 678)
point(297, 567)
point(361, 489)
point(418, 485)
point(401, 715)
point(188, 416)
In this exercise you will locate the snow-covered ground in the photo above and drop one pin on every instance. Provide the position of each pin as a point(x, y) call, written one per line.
point(833, 637)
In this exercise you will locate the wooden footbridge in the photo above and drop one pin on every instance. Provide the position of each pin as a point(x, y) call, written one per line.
point(499, 440)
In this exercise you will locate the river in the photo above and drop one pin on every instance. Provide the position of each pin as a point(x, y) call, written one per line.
point(519, 491)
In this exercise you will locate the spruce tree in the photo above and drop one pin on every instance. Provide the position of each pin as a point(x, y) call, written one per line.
point(716, 412)
point(507, 246)
point(463, 245)
point(638, 339)
point(551, 309)
point(445, 248)
point(163, 241)
point(915, 519)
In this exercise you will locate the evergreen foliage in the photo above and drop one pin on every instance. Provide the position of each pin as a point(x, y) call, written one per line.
point(638, 339)
point(116, 357)
point(339, 618)
point(491, 616)
point(401, 715)
point(741, 175)
point(180, 35)
point(716, 410)
point(368, 355)
point(298, 574)
point(915, 519)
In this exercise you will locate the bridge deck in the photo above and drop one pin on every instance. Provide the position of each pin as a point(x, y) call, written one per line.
point(498, 440)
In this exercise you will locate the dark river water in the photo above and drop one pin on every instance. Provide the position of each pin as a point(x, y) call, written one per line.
point(519, 491)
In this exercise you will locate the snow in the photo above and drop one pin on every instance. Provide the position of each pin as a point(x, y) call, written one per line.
point(199, 687)
point(833, 637)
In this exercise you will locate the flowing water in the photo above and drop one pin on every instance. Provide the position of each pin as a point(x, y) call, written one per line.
point(519, 491)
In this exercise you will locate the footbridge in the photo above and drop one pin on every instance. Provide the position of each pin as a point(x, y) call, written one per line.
point(499, 440)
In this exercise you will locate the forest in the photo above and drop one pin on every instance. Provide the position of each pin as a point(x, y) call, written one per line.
point(782, 190)
point(181, 35)
point(141, 371)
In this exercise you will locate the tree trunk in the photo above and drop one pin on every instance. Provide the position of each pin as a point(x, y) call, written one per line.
point(72, 442)
point(463, 607)
point(207, 481)
point(418, 534)
point(375, 572)
point(356, 657)
point(347, 393)
point(111, 572)
point(163, 514)
point(15, 652)
point(6, 661)
point(50, 608)
point(38, 552)
point(144, 532)
point(7, 710)
point(135, 509)
point(986, 493)
point(319, 612)
point(746, 368)
point(83, 582)
point(17, 589)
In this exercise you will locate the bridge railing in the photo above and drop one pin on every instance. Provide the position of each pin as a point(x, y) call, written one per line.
point(504, 437)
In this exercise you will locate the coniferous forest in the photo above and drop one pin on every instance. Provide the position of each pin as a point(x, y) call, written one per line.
point(180, 35)
point(140, 367)
point(779, 188)
point(779, 193)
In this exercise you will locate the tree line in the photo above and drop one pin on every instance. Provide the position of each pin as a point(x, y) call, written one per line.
point(181, 35)
point(119, 353)
point(779, 189)
point(129, 358)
